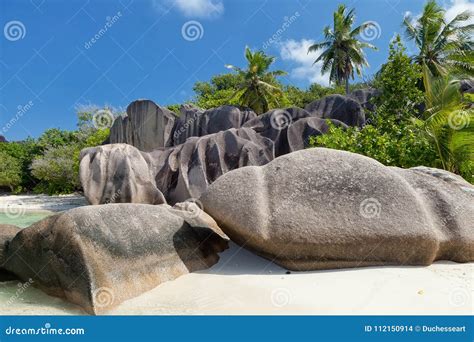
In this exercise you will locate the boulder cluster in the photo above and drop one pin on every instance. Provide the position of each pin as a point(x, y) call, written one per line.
point(171, 159)
point(233, 175)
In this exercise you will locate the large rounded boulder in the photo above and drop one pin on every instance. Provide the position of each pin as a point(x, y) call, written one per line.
point(118, 173)
point(7, 233)
point(99, 256)
point(338, 107)
point(322, 208)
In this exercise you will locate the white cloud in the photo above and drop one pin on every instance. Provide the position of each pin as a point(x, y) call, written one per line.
point(297, 52)
point(454, 7)
point(192, 8)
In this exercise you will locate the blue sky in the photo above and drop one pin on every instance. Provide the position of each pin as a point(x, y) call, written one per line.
point(50, 62)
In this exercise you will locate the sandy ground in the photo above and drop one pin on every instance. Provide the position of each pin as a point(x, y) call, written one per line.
point(242, 283)
point(40, 202)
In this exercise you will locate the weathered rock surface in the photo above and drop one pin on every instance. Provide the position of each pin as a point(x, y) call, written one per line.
point(338, 107)
point(195, 122)
point(187, 170)
point(99, 256)
point(118, 174)
point(299, 133)
point(274, 125)
point(121, 173)
point(7, 233)
point(365, 97)
point(321, 208)
point(146, 126)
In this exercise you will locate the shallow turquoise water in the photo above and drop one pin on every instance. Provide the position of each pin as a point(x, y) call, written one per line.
point(25, 219)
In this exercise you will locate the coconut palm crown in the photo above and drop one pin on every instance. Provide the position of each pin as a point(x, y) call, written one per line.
point(342, 50)
point(444, 46)
point(259, 89)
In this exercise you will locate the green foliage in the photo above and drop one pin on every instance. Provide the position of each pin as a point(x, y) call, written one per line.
point(220, 89)
point(10, 171)
point(342, 51)
point(257, 89)
point(389, 142)
point(55, 137)
point(450, 125)
point(174, 108)
point(397, 82)
point(50, 163)
point(57, 170)
point(444, 47)
point(23, 152)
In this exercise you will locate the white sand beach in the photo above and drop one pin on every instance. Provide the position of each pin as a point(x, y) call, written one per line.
point(242, 283)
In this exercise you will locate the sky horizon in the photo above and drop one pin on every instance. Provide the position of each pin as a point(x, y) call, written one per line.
point(57, 55)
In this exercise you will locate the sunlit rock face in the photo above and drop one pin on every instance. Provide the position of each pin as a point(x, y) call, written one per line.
point(322, 208)
point(342, 108)
point(146, 126)
point(99, 256)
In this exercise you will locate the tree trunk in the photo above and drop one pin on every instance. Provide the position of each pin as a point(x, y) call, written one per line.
point(347, 85)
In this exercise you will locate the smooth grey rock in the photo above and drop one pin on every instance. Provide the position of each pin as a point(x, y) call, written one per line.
point(118, 173)
point(322, 208)
point(99, 256)
point(274, 125)
point(365, 97)
point(146, 126)
point(338, 107)
point(299, 133)
point(122, 173)
point(195, 122)
point(7, 233)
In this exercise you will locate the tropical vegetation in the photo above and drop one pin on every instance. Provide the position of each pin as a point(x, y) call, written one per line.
point(419, 117)
point(443, 46)
point(343, 51)
point(256, 89)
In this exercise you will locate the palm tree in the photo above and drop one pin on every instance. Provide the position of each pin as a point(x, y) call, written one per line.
point(450, 123)
point(443, 46)
point(259, 89)
point(343, 52)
